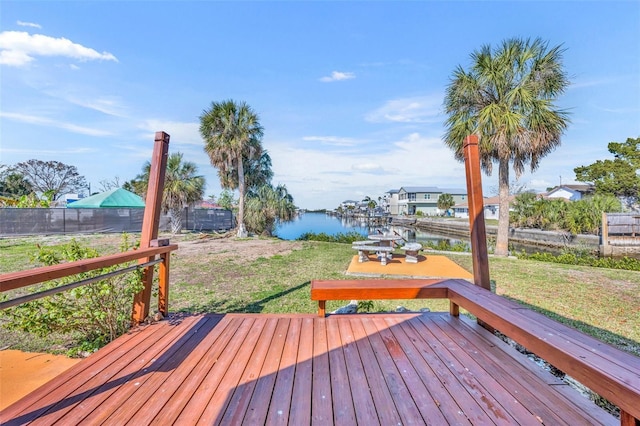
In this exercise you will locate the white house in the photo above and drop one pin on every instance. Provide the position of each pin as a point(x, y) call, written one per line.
point(570, 192)
point(414, 199)
point(491, 207)
point(391, 201)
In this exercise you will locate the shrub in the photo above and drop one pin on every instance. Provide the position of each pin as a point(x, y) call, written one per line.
point(445, 245)
point(346, 238)
point(584, 258)
point(98, 312)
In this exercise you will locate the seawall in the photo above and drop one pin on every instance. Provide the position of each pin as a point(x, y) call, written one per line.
point(533, 237)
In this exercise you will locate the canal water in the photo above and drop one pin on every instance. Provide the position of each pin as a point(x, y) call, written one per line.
point(331, 225)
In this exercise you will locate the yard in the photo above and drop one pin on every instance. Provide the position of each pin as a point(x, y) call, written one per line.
point(225, 274)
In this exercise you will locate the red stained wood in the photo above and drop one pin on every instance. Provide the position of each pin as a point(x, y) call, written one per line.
point(151, 220)
point(14, 280)
point(360, 389)
point(258, 408)
point(323, 290)
point(321, 400)
point(283, 389)
point(422, 398)
point(255, 369)
point(476, 212)
point(300, 412)
point(343, 410)
point(567, 349)
point(407, 409)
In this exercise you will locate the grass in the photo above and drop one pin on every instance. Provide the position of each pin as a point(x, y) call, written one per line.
point(600, 302)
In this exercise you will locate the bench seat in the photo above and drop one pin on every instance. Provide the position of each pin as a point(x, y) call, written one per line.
point(365, 249)
point(411, 251)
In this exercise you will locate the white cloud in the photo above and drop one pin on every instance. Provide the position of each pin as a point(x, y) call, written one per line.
point(29, 24)
point(324, 178)
point(418, 109)
point(338, 76)
point(48, 151)
point(181, 133)
point(367, 168)
point(19, 48)
point(44, 121)
point(105, 105)
point(331, 140)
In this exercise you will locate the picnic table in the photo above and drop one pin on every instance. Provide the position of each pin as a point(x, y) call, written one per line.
point(385, 240)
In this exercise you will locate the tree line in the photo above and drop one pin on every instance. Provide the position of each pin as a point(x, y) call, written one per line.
point(232, 137)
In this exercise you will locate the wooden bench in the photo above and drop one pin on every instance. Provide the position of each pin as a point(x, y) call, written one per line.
point(378, 289)
point(365, 249)
point(607, 371)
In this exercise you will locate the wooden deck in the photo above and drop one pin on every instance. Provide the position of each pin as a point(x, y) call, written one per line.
point(300, 369)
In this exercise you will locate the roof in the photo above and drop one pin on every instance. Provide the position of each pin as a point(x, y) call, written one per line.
point(116, 198)
point(393, 191)
point(583, 189)
point(434, 190)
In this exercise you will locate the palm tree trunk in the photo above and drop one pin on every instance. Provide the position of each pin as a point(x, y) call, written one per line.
point(242, 231)
point(502, 241)
point(176, 220)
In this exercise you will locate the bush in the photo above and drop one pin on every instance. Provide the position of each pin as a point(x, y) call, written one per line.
point(585, 259)
point(445, 245)
point(98, 312)
point(347, 238)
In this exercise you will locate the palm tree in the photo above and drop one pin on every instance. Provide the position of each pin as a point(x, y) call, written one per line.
point(445, 202)
point(182, 186)
point(232, 134)
point(266, 205)
point(507, 99)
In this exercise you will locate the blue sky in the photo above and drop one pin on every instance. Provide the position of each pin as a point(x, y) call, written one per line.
point(349, 93)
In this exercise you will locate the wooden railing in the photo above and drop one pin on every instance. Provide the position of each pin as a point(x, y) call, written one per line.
point(150, 247)
point(21, 279)
point(607, 371)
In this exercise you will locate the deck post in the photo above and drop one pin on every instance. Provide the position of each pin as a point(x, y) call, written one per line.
point(163, 284)
point(476, 213)
point(151, 221)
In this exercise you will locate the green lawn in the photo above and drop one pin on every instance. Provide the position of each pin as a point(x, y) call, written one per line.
point(600, 302)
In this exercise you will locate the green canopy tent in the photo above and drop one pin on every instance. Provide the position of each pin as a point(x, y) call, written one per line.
point(116, 198)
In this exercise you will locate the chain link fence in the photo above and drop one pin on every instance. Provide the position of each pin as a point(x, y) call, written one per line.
point(41, 221)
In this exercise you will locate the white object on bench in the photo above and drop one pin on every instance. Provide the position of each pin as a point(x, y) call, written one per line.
point(364, 249)
point(411, 252)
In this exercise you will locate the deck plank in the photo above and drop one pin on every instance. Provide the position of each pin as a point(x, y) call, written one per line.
point(360, 390)
point(300, 412)
point(214, 392)
point(453, 413)
point(409, 413)
point(422, 398)
point(321, 405)
point(51, 393)
point(343, 410)
point(153, 380)
point(240, 395)
point(385, 406)
point(200, 377)
point(532, 396)
point(264, 390)
point(156, 399)
point(280, 404)
point(497, 398)
point(291, 369)
point(91, 391)
point(537, 379)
